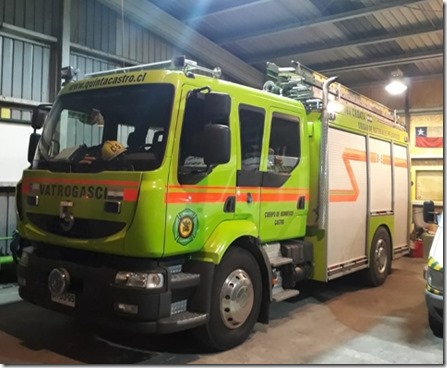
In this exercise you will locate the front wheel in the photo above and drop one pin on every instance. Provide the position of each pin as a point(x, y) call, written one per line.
point(380, 258)
point(235, 303)
point(436, 326)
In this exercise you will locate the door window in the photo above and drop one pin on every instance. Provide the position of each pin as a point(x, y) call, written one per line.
point(284, 144)
point(199, 112)
point(251, 122)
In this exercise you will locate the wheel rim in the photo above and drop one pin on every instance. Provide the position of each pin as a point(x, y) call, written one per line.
point(236, 299)
point(381, 257)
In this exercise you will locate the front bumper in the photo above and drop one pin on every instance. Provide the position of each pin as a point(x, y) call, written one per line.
point(96, 296)
point(435, 305)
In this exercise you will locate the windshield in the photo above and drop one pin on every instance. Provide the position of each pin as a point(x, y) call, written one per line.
point(120, 128)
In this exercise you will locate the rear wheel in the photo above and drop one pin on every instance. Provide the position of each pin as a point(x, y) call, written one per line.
point(235, 303)
point(380, 258)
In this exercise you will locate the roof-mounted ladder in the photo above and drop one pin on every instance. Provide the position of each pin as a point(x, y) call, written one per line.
point(301, 83)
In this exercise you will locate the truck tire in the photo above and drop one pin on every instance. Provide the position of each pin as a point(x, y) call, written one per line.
point(436, 326)
point(235, 301)
point(380, 258)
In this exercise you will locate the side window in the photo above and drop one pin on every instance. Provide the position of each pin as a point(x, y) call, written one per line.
point(123, 133)
point(142, 139)
point(284, 145)
point(251, 122)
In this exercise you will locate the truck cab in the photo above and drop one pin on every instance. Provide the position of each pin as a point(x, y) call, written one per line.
point(143, 183)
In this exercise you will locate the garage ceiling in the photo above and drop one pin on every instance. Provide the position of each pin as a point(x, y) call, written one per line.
point(361, 41)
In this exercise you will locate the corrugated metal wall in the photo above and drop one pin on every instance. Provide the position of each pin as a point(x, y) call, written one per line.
point(25, 64)
point(93, 25)
point(24, 71)
point(99, 41)
point(36, 15)
point(88, 64)
point(97, 27)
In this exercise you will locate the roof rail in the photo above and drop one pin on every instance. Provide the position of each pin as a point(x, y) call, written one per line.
point(176, 63)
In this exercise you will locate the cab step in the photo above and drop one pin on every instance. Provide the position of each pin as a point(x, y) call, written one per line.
point(280, 261)
point(181, 321)
point(284, 294)
point(181, 280)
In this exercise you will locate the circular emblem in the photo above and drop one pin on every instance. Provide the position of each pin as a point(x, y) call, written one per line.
point(58, 281)
point(185, 226)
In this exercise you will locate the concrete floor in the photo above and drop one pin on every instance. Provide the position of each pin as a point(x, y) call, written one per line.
point(336, 323)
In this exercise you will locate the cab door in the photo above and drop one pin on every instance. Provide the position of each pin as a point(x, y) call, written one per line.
point(251, 122)
point(285, 177)
point(198, 199)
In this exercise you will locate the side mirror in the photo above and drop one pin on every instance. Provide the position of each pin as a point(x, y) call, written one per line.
point(217, 144)
point(217, 105)
point(428, 211)
point(32, 146)
point(38, 117)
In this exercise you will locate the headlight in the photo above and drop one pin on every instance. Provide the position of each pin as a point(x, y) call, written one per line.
point(435, 279)
point(142, 280)
point(24, 258)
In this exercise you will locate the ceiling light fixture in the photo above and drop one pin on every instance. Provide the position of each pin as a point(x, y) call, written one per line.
point(396, 85)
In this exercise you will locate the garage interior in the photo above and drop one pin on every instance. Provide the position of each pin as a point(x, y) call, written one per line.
point(365, 43)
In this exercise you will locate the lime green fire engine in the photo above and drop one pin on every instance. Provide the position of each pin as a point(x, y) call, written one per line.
point(161, 198)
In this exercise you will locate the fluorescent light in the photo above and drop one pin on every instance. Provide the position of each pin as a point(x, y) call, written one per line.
point(396, 85)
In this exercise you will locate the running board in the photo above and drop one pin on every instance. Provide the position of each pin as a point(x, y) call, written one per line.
point(345, 268)
point(401, 251)
point(280, 261)
point(284, 294)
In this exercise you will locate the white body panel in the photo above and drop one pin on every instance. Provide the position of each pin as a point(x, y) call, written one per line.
point(347, 215)
point(367, 177)
point(380, 176)
point(401, 195)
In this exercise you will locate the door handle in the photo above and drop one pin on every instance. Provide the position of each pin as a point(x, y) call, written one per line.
point(230, 204)
point(301, 202)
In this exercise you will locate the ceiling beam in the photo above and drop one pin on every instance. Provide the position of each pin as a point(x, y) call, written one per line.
point(316, 22)
point(183, 37)
point(381, 83)
point(199, 18)
point(331, 69)
point(333, 46)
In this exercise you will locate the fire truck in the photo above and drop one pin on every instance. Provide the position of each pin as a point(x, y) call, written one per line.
point(161, 198)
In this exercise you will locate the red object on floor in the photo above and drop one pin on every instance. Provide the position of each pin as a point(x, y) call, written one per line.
point(417, 251)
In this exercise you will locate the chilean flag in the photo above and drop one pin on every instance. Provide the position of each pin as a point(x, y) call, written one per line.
point(429, 137)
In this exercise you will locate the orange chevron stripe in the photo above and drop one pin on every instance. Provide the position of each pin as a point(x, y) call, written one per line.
point(400, 162)
point(348, 195)
point(351, 195)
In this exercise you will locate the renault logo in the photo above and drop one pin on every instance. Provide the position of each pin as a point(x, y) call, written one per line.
point(66, 221)
point(66, 218)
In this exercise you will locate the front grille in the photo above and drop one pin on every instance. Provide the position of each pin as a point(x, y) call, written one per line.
point(82, 228)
